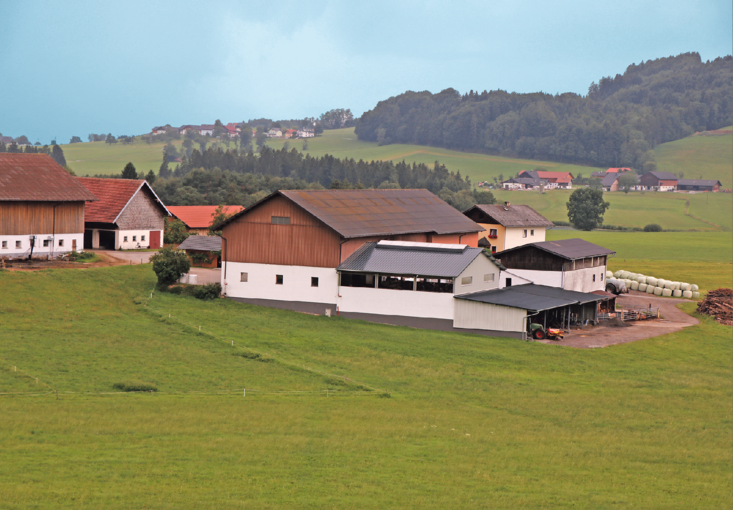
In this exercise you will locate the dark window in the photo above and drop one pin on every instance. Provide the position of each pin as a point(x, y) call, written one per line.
point(134, 238)
point(508, 282)
point(278, 279)
point(5, 245)
point(281, 220)
point(61, 242)
point(594, 277)
point(601, 276)
point(243, 277)
point(396, 282)
point(357, 280)
point(314, 281)
point(46, 243)
point(17, 244)
point(435, 285)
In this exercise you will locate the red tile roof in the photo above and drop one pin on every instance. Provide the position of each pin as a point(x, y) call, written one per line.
point(200, 216)
point(618, 170)
point(114, 195)
point(37, 177)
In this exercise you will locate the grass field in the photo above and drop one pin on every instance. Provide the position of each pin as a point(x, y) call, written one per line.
point(470, 421)
point(699, 157)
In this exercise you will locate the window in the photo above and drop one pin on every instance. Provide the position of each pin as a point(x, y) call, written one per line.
point(134, 238)
point(357, 280)
point(489, 277)
point(5, 245)
point(61, 242)
point(508, 282)
point(314, 281)
point(493, 249)
point(467, 280)
point(142, 238)
point(46, 243)
point(243, 277)
point(601, 276)
point(278, 279)
point(531, 232)
point(18, 244)
point(124, 239)
point(281, 220)
point(594, 277)
point(493, 233)
point(524, 233)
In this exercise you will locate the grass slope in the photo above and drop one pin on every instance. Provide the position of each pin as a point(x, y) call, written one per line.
point(472, 422)
point(699, 157)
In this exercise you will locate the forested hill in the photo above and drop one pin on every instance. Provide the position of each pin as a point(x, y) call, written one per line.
point(616, 124)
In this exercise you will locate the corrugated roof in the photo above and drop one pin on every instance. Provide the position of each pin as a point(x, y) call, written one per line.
point(114, 195)
point(609, 179)
point(513, 215)
point(570, 249)
point(38, 178)
point(203, 243)
point(531, 297)
point(697, 182)
point(424, 259)
point(200, 216)
point(377, 212)
point(665, 176)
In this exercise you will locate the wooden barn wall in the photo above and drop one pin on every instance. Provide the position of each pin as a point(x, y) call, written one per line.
point(18, 218)
point(142, 213)
point(306, 241)
point(531, 258)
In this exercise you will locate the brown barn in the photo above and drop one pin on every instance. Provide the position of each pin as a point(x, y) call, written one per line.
point(41, 207)
point(660, 181)
point(292, 241)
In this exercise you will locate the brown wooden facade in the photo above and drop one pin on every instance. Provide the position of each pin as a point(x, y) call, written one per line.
point(533, 258)
point(23, 218)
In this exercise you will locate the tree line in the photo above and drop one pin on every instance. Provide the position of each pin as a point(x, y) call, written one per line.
point(55, 151)
point(618, 123)
point(216, 176)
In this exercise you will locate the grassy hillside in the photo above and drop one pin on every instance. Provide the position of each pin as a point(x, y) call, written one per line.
point(471, 421)
point(699, 157)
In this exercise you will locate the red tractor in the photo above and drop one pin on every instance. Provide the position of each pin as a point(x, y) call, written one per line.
point(539, 332)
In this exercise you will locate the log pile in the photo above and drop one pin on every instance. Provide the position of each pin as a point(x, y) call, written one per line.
point(719, 304)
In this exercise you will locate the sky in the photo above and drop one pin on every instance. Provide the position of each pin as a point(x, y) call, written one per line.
point(77, 67)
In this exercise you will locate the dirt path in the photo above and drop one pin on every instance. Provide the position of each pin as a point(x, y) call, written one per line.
point(672, 320)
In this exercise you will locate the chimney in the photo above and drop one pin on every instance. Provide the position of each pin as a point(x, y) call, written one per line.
point(507, 204)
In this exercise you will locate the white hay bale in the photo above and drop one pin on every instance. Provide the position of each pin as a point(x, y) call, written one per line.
point(650, 280)
point(634, 285)
point(617, 274)
point(641, 279)
point(677, 293)
point(695, 295)
point(650, 289)
point(687, 294)
point(642, 287)
point(669, 285)
point(694, 288)
point(667, 293)
point(609, 274)
point(684, 286)
point(658, 291)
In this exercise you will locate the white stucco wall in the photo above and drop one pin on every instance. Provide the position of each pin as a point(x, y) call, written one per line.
point(515, 236)
point(580, 280)
point(517, 279)
point(405, 303)
point(296, 282)
point(10, 251)
point(132, 245)
point(474, 315)
point(480, 266)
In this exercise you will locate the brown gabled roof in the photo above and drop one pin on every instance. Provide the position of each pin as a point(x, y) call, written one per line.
point(114, 195)
point(569, 249)
point(377, 212)
point(38, 178)
point(513, 215)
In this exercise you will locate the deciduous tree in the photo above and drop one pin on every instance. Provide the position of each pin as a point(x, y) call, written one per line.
point(586, 208)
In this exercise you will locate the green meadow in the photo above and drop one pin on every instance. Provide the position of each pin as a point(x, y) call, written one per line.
point(699, 157)
point(341, 413)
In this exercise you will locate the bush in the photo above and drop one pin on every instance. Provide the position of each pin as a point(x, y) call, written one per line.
point(653, 227)
point(169, 265)
point(562, 223)
point(209, 291)
point(134, 385)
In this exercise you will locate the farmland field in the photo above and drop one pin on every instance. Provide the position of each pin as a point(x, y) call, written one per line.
point(699, 157)
point(424, 420)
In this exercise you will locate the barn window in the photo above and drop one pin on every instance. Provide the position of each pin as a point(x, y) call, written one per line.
point(46, 243)
point(524, 234)
point(142, 238)
point(489, 277)
point(594, 277)
point(243, 277)
point(467, 280)
point(278, 279)
point(134, 238)
point(124, 239)
point(5, 245)
point(281, 220)
point(508, 282)
point(61, 242)
point(601, 276)
point(18, 244)
point(531, 232)
point(314, 281)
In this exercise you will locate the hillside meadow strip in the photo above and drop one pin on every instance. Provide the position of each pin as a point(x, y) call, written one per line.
point(458, 421)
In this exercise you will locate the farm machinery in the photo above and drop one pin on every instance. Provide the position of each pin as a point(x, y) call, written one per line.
point(539, 332)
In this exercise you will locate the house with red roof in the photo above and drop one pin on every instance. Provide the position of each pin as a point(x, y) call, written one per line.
point(41, 207)
point(198, 218)
point(127, 216)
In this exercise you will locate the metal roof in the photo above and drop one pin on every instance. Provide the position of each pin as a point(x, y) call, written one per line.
point(665, 176)
point(200, 216)
point(114, 195)
point(378, 212)
point(697, 182)
point(609, 179)
point(202, 243)
point(424, 259)
point(570, 249)
point(38, 178)
point(531, 297)
point(509, 215)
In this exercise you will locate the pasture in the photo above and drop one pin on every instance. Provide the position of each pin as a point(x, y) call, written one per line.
point(699, 157)
point(466, 421)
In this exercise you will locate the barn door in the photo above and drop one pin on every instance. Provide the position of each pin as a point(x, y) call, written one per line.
point(154, 239)
point(73, 245)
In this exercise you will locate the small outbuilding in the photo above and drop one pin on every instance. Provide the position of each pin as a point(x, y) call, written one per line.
point(698, 185)
point(204, 251)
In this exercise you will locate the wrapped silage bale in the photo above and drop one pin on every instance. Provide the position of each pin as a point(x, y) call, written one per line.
point(641, 280)
point(677, 293)
point(650, 280)
point(687, 294)
point(660, 282)
point(694, 288)
point(634, 285)
point(609, 274)
point(667, 293)
point(642, 287)
point(684, 286)
point(695, 295)
point(617, 274)
point(668, 285)
point(650, 289)
point(676, 286)
point(658, 291)
point(633, 277)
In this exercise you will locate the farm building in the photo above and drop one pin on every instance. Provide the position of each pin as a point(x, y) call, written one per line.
point(129, 215)
point(551, 179)
point(522, 183)
point(203, 251)
point(275, 133)
point(306, 133)
point(272, 251)
point(698, 185)
point(198, 218)
point(507, 226)
point(660, 181)
point(41, 207)
point(570, 264)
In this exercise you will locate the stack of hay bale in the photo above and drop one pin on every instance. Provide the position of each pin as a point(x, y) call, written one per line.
point(656, 286)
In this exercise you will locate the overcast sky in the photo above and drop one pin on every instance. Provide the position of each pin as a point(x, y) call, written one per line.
point(76, 67)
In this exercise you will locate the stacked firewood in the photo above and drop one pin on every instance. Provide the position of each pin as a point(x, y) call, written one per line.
point(719, 304)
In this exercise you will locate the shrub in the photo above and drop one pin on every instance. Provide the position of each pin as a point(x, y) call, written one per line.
point(169, 265)
point(209, 291)
point(653, 227)
point(134, 385)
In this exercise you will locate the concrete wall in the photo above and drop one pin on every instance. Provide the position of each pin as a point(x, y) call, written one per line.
point(473, 315)
point(138, 244)
point(58, 245)
point(477, 269)
point(404, 303)
point(580, 280)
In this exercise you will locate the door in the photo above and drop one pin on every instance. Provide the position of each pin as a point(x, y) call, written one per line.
point(73, 245)
point(154, 239)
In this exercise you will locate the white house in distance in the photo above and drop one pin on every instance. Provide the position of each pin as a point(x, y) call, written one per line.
point(128, 216)
point(508, 226)
point(570, 264)
point(275, 133)
point(306, 133)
